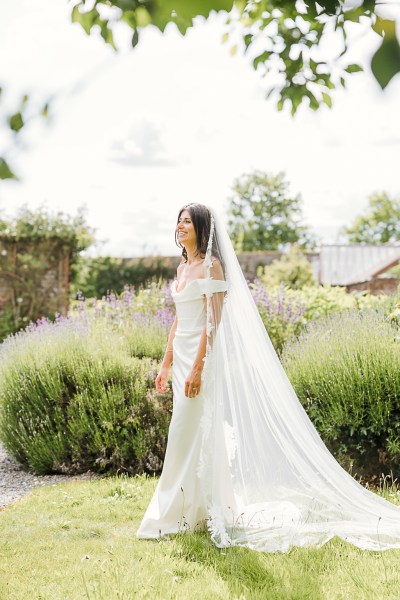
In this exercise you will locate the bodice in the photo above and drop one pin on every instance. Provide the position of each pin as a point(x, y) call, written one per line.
point(190, 302)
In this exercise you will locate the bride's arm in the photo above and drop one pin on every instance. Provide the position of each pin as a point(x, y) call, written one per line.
point(167, 360)
point(217, 302)
point(217, 298)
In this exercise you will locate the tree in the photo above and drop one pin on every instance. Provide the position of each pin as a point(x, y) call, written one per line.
point(380, 224)
point(280, 35)
point(263, 215)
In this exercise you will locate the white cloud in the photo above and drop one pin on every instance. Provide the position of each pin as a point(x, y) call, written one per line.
point(143, 146)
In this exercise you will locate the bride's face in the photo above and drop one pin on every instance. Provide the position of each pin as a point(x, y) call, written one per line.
point(185, 230)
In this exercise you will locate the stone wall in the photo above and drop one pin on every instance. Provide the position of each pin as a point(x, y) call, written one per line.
point(249, 261)
point(379, 285)
point(34, 280)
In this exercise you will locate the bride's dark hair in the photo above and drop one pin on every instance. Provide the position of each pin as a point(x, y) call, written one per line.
point(201, 219)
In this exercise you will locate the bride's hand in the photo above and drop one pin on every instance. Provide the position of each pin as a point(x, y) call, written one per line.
point(161, 379)
point(193, 382)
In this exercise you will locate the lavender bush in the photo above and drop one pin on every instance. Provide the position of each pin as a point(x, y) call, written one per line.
point(142, 317)
point(285, 312)
point(345, 369)
point(78, 393)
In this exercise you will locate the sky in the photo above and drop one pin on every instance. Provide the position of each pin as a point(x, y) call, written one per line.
point(135, 135)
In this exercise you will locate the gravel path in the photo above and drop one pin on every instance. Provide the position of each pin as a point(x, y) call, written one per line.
point(15, 481)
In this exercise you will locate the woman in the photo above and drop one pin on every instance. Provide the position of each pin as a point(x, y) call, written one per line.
point(243, 458)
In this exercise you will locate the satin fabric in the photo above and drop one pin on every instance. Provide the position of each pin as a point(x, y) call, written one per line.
point(178, 502)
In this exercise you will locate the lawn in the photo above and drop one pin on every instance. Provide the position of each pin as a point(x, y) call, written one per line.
point(77, 540)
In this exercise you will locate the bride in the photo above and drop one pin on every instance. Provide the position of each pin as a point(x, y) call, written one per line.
point(243, 459)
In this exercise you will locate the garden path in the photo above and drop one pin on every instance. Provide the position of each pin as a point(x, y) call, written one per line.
point(15, 481)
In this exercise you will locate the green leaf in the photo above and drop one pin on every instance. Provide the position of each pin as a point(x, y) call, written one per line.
point(296, 101)
point(240, 5)
point(129, 17)
point(353, 14)
point(385, 63)
point(311, 8)
point(106, 32)
point(353, 68)
point(186, 11)
point(5, 171)
point(248, 38)
point(143, 17)
point(86, 19)
point(16, 122)
point(135, 38)
point(369, 5)
point(384, 27)
point(45, 110)
point(262, 58)
point(314, 104)
point(327, 99)
point(125, 5)
point(329, 6)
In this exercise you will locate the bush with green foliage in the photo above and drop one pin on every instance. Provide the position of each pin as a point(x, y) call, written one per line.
point(285, 311)
point(99, 276)
point(33, 245)
point(345, 369)
point(281, 313)
point(79, 393)
point(292, 269)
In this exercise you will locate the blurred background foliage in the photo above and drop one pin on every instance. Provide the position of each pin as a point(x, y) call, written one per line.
point(33, 247)
point(278, 36)
point(292, 269)
point(263, 215)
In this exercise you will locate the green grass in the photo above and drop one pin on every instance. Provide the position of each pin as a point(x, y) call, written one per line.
point(77, 540)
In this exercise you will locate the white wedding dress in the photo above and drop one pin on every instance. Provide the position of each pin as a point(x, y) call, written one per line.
point(243, 457)
point(178, 502)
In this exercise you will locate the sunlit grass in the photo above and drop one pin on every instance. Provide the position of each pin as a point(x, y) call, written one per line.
point(77, 540)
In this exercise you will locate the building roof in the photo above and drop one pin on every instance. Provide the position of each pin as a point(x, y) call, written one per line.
point(344, 264)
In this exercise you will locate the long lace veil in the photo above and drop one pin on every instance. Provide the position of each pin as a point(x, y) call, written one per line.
point(268, 480)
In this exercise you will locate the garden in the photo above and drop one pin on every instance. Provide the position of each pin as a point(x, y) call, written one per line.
point(153, 105)
point(77, 394)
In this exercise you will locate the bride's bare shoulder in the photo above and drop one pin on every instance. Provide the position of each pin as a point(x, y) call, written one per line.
point(180, 267)
point(216, 268)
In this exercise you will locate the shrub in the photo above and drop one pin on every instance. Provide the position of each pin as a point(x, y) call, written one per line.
point(292, 269)
point(143, 318)
point(285, 311)
point(282, 313)
point(39, 251)
point(345, 369)
point(98, 276)
point(74, 398)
